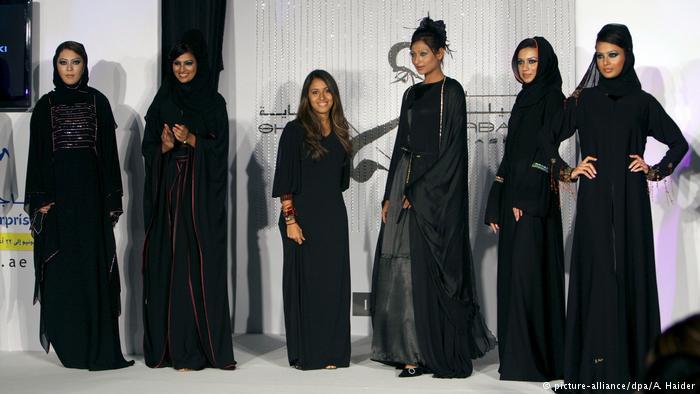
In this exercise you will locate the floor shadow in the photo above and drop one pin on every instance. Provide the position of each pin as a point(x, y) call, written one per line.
point(111, 79)
point(257, 220)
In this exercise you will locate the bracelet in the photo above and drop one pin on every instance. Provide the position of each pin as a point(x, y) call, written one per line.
point(290, 219)
point(289, 211)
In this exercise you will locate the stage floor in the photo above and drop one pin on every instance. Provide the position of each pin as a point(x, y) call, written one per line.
point(263, 369)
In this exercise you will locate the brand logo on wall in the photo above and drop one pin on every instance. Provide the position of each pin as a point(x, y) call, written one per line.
point(3, 49)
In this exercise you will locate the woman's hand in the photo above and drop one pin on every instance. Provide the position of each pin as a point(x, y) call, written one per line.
point(385, 211)
point(167, 142)
point(586, 168)
point(638, 164)
point(182, 133)
point(295, 234)
point(406, 203)
point(517, 213)
point(45, 208)
point(494, 227)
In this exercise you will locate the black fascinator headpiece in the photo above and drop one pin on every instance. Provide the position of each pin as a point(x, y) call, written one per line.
point(433, 33)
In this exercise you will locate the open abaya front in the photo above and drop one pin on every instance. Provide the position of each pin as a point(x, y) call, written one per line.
point(424, 305)
point(73, 163)
point(316, 274)
point(185, 277)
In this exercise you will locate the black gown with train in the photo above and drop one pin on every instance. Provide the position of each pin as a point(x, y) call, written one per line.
point(425, 310)
point(613, 307)
point(316, 274)
point(187, 322)
point(531, 250)
point(73, 163)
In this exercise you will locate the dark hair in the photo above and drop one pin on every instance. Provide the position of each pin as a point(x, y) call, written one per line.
point(312, 124)
point(180, 49)
point(617, 34)
point(433, 33)
point(675, 356)
point(73, 46)
point(526, 43)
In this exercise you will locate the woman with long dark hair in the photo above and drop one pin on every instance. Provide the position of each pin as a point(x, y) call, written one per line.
point(187, 324)
point(425, 310)
point(74, 198)
point(613, 307)
point(312, 171)
point(524, 210)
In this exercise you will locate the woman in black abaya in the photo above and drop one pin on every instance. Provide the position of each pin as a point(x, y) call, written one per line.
point(185, 147)
point(525, 210)
point(74, 197)
point(613, 309)
point(312, 171)
point(425, 312)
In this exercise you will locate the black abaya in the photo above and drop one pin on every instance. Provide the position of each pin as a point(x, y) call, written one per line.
point(449, 327)
point(530, 251)
point(73, 163)
point(186, 312)
point(613, 307)
point(316, 274)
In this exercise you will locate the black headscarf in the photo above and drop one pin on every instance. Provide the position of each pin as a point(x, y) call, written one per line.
point(548, 77)
point(78, 48)
point(624, 84)
point(198, 95)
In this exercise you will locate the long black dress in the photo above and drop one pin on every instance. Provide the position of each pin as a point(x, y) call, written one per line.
point(316, 274)
point(530, 251)
point(613, 308)
point(186, 312)
point(424, 305)
point(73, 163)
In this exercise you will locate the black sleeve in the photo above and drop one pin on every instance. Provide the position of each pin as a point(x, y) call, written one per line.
point(396, 152)
point(533, 191)
point(111, 170)
point(559, 168)
point(288, 167)
point(38, 189)
point(665, 130)
point(493, 202)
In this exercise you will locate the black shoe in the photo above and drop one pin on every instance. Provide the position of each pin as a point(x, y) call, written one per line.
point(411, 372)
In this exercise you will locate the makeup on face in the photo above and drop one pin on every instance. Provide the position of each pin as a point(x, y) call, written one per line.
point(423, 58)
point(70, 67)
point(527, 64)
point(610, 59)
point(320, 97)
point(185, 67)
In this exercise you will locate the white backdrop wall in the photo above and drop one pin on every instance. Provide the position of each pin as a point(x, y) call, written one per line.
point(122, 40)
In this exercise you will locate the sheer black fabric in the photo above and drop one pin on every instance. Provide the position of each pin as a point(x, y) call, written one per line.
point(449, 325)
point(316, 274)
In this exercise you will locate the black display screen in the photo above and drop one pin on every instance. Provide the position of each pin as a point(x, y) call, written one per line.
point(15, 54)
